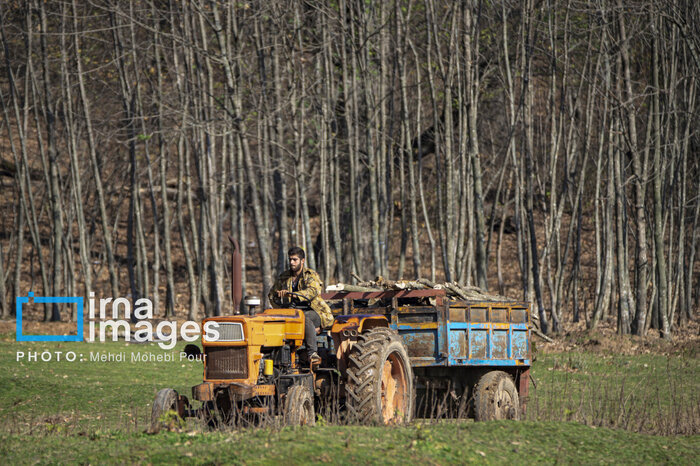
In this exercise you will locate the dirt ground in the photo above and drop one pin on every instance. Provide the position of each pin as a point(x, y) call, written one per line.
point(605, 340)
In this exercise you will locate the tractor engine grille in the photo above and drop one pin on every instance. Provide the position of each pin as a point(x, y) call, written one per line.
point(230, 331)
point(227, 363)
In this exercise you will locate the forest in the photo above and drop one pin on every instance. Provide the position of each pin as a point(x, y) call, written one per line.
point(542, 149)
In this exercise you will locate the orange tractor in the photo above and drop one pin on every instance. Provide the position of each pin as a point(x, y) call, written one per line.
point(256, 368)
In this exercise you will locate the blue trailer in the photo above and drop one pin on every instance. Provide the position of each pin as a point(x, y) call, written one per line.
point(469, 358)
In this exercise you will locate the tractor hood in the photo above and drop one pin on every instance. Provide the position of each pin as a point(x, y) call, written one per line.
point(269, 328)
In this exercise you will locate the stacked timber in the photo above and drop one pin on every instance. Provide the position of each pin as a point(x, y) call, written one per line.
point(453, 290)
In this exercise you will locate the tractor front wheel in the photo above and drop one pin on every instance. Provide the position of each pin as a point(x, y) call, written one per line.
point(379, 384)
point(299, 406)
point(165, 401)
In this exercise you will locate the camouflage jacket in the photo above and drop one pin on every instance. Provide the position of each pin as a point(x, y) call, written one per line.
point(310, 286)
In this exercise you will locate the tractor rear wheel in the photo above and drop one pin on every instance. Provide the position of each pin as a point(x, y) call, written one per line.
point(165, 400)
point(496, 398)
point(299, 406)
point(379, 384)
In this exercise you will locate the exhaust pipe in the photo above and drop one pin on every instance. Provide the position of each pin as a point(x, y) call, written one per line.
point(236, 272)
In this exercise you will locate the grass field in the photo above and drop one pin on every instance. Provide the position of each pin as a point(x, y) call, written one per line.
point(493, 442)
point(647, 393)
point(586, 407)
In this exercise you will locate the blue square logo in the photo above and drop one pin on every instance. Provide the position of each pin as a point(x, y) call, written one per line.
point(77, 300)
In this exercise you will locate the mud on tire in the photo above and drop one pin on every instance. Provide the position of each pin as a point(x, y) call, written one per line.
point(496, 398)
point(379, 384)
point(299, 407)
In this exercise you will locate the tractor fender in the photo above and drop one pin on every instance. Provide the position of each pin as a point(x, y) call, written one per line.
point(358, 323)
point(345, 330)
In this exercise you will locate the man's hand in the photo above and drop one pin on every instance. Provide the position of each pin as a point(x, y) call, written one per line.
point(282, 293)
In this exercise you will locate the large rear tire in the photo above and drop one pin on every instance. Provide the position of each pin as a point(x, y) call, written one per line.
point(379, 384)
point(496, 398)
point(299, 406)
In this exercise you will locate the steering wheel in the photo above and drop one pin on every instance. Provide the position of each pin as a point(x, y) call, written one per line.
point(302, 305)
point(298, 295)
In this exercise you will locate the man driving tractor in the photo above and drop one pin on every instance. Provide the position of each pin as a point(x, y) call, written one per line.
point(302, 286)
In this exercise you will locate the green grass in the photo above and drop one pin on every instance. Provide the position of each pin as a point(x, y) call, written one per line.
point(88, 411)
point(644, 393)
point(494, 442)
point(86, 394)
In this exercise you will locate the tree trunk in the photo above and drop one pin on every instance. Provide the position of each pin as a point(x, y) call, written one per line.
point(662, 284)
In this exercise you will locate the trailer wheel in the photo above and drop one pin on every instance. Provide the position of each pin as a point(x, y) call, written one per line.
point(165, 400)
point(379, 384)
point(299, 407)
point(496, 398)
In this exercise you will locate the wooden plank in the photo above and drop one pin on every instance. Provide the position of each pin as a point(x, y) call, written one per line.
point(382, 294)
